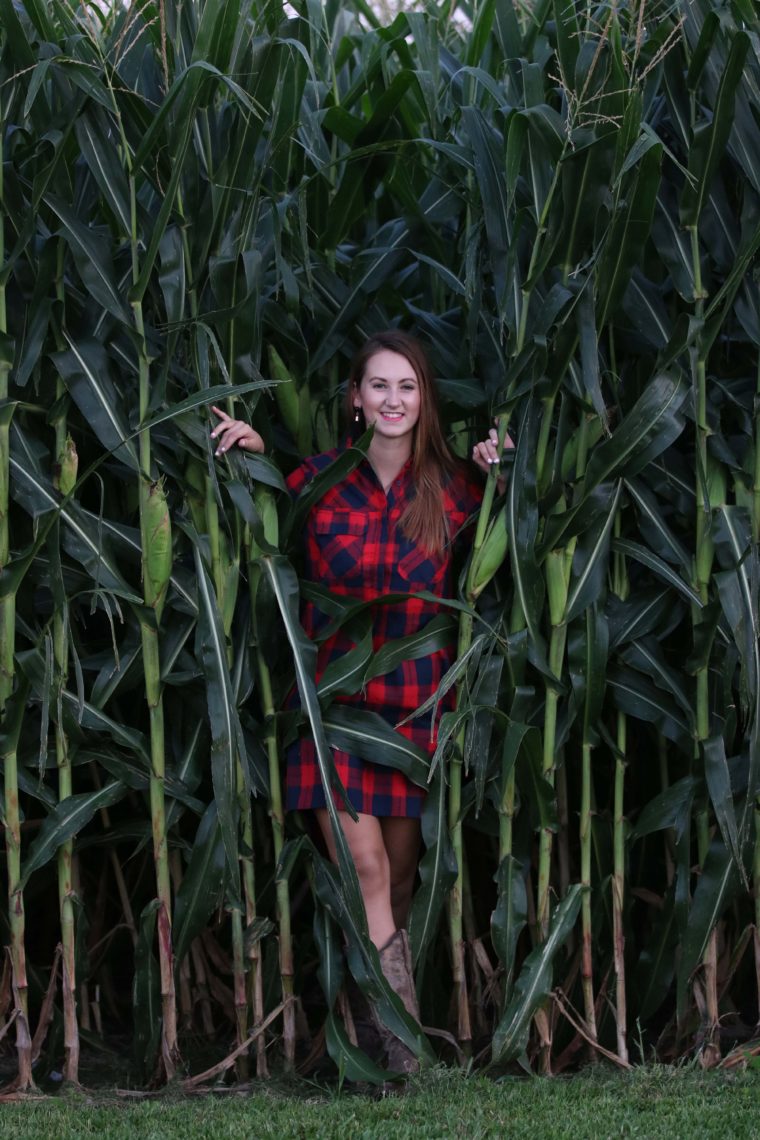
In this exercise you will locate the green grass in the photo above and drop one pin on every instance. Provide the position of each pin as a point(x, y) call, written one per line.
point(649, 1102)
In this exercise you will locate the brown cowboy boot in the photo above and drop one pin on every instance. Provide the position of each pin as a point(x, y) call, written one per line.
point(396, 964)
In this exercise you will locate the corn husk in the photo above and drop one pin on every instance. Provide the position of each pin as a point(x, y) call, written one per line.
point(490, 556)
point(66, 467)
point(157, 542)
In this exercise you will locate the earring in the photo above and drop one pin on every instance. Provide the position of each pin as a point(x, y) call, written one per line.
point(357, 414)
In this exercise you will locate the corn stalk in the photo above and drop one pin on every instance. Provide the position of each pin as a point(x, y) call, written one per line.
point(11, 816)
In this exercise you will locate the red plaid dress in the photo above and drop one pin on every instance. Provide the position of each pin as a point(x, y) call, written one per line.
point(355, 547)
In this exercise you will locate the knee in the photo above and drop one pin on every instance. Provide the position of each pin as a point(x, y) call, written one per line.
point(372, 868)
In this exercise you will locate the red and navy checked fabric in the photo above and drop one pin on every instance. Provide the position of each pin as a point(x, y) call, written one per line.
point(355, 546)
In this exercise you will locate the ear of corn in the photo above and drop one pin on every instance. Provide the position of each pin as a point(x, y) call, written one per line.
point(158, 555)
point(489, 557)
point(67, 467)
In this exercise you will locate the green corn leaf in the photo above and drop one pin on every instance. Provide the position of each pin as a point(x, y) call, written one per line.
point(710, 138)
point(644, 307)
point(710, 27)
point(202, 399)
point(655, 527)
point(522, 525)
point(717, 886)
point(591, 558)
point(537, 790)
point(509, 917)
point(479, 727)
point(737, 591)
point(534, 981)
point(589, 346)
point(587, 651)
point(16, 35)
point(84, 369)
point(100, 150)
point(146, 992)
point(202, 889)
point(367, 734)
point(650, 608)
point(628, 234)
point(645, 655)
point(655, 969)
point(364, 961)
point(437, 634)
point(718, 780)
point(670, 808)
point(91, 253)
point(633, 695)
point(331, 970)
point(568, 38)
point(345, 674)
point(285, 590)
point(352, 1063)
point(653, 424)
point(227, 742)
point(437, 869)
point(641, 554)
point(67, 818)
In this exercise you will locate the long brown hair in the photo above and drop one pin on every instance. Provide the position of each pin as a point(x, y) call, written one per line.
point(424, 521)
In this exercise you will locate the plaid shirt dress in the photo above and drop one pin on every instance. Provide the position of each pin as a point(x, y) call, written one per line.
point(355, 547)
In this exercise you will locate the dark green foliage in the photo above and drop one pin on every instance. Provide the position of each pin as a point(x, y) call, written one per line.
point(209, 201)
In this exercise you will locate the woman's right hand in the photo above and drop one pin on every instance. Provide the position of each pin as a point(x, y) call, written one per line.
point(231, 432)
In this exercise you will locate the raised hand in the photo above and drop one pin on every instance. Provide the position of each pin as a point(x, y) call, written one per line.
point(486, 453)
point(231, 432)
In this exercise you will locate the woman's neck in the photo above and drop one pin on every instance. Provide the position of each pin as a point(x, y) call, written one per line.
point(388, 457)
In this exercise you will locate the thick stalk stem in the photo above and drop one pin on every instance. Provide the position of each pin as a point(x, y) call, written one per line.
point(240, 995)
point(455, 900)
point(65, 877)
point(621, 588)
point(618, 890)
point(587, 958)
point(702, 572)
point(282, 888)
point(170, 1049)
point(65, 474)
point(12, 817)
point(556, 657)
point(459, 975)
point(154, 698)
point(268, 513)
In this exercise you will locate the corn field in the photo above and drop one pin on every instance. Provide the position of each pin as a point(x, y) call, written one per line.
point(212, 202)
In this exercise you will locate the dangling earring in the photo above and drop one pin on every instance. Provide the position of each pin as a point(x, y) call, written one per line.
point(357, 414)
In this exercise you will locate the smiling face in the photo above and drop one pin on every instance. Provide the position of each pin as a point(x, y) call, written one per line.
point(389, 395)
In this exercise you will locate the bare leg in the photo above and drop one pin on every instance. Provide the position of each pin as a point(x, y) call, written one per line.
point(365, 842)
point(402, 842)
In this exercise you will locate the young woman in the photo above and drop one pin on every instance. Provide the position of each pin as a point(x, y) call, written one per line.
point(391, 526)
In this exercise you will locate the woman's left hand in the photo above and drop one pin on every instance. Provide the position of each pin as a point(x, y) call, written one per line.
point(486, 453)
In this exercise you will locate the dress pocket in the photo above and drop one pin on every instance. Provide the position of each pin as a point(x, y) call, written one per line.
point(341, 537)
